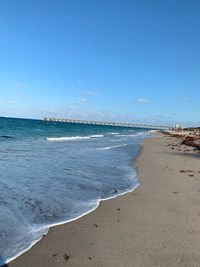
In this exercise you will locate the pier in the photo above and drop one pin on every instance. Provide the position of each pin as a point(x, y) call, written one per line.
point(114, 124)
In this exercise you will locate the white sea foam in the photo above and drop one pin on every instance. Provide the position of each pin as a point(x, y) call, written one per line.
point(67, 138)
point(74, 138)
point(126, 135)
point(153, 131)
point(96, 136)
point(111, 147)
point(131, 135)
point(113, 133)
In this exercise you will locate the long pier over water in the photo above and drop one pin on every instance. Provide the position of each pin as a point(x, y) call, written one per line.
point(116, 124)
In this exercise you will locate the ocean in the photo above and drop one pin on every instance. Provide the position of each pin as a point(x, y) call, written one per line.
point(54, 172)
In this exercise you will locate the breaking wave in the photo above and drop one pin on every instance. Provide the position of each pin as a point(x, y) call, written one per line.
point(111, 147)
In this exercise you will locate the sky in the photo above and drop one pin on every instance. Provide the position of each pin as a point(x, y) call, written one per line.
point(108, 60)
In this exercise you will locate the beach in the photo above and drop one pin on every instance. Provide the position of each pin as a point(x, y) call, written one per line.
point(158, 224)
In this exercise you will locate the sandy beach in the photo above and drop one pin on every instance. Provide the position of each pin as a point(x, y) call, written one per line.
point(157, 225)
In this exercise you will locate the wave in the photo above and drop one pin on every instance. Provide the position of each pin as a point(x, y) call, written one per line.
point(153, 131)
point(72, 138)
point(126, 135)
point(131, 135)
point(96, 136)
point(111, 147)
point(113, 133)
point(69, 138)
point(141, 133)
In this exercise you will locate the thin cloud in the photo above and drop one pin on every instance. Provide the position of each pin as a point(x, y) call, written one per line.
point(91, 93)
point(21, 85)
point(11, 102)
point(141, 100)
point(72, 106)
point(79, 83)
point(78, 103)
point(187, 98)
point(83, 100)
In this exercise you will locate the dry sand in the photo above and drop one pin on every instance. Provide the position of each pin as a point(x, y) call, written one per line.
point(156, 225)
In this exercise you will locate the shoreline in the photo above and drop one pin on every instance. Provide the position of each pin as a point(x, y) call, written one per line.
point(72, 220)
point(86, 213)
point(151, 226)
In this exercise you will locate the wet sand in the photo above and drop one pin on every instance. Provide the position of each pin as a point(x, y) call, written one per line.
point(157, 225)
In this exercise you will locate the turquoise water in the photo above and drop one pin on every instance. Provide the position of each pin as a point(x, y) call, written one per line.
point(52, 173)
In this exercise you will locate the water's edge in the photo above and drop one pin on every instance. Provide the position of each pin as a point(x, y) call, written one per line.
point(134, 161)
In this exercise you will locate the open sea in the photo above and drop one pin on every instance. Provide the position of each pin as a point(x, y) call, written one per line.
point(51, 173)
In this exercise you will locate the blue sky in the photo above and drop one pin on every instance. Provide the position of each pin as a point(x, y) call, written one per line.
point(116, 60)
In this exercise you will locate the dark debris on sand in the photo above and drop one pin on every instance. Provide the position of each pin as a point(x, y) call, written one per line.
point(66, 257)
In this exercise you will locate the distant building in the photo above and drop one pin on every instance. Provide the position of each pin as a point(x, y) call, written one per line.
point(178, 127)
